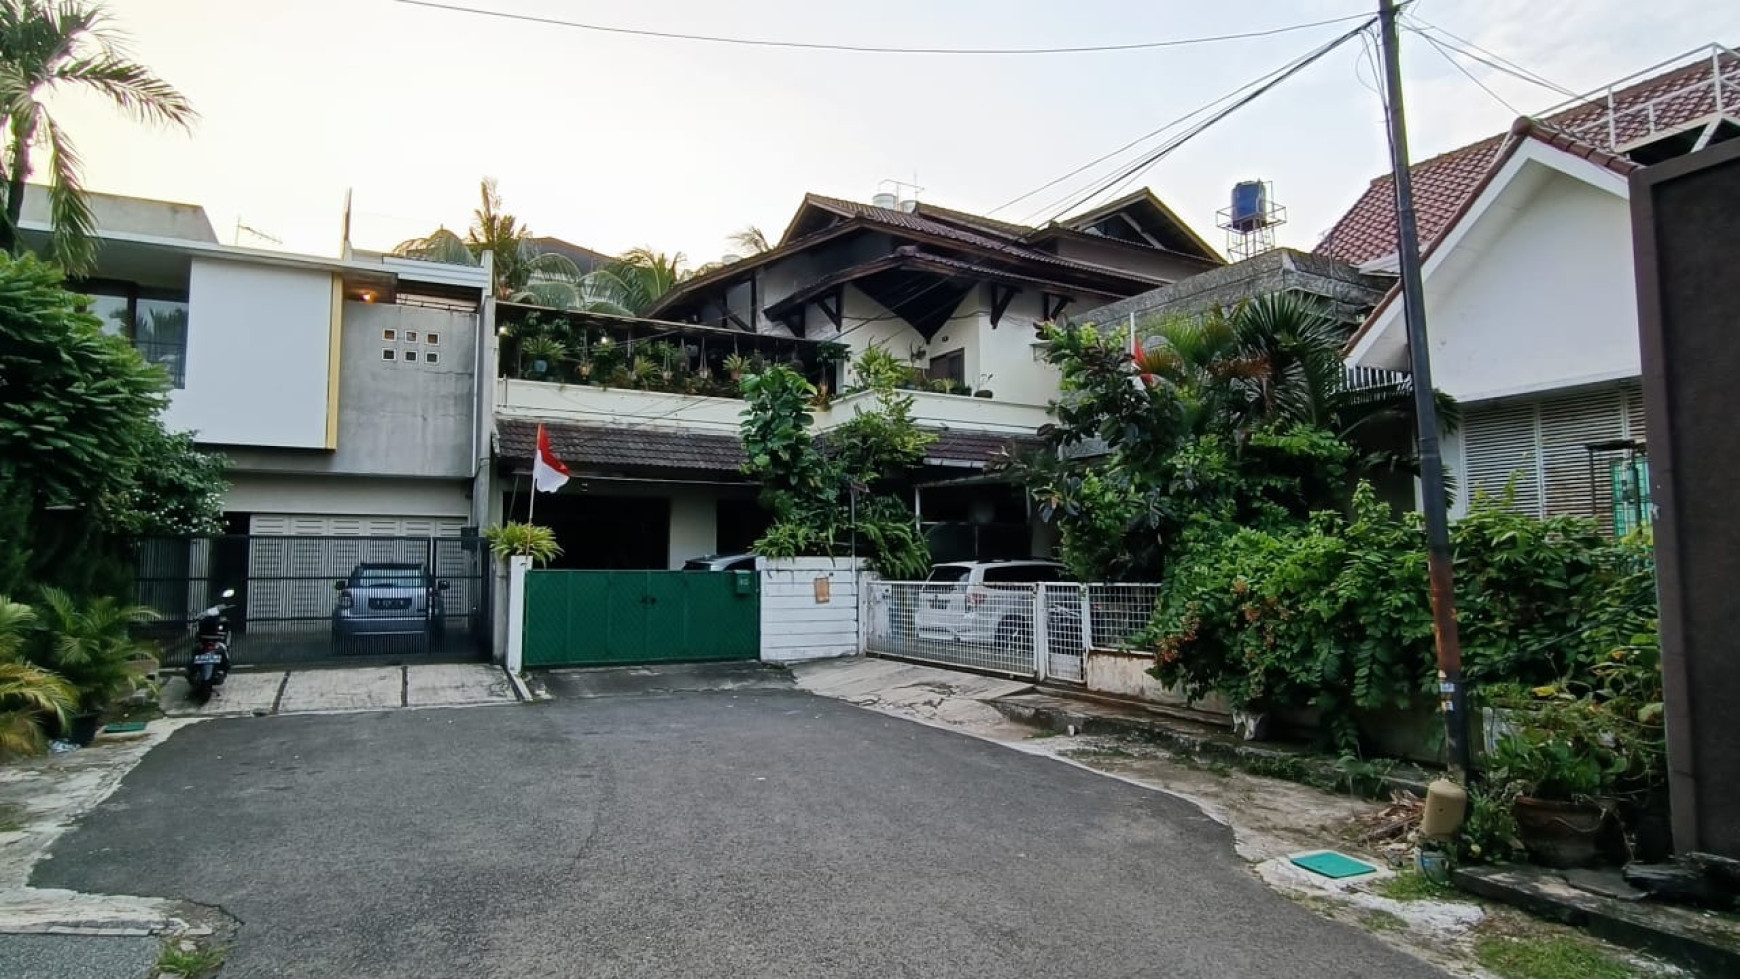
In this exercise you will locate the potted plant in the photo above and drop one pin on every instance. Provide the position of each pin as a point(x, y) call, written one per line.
point(529, 540)
point(737, 365)
point(93, 649)
point(1560, 767)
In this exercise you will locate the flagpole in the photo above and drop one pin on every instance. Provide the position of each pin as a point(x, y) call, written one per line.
point(532, 504)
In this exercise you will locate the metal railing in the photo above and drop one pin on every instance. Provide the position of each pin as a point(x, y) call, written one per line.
point(1042, 631)
point(1622, 123)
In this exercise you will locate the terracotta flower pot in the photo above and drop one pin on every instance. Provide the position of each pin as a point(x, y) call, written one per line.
point(1560, 834)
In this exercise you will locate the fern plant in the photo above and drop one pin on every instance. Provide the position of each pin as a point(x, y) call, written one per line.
point(516, 539)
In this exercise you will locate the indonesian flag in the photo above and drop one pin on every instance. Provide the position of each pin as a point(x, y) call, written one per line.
point(548, 472)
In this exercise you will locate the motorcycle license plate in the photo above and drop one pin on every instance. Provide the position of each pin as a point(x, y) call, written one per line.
point(201, 659)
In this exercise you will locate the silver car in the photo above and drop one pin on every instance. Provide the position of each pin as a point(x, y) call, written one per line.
point(388, 599)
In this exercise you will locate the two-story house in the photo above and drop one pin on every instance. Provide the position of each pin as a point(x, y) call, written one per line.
point(1530, 291)
point(956, 295)
point(344, 391)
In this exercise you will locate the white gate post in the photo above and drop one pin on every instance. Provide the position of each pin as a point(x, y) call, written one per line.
point(1087, 621)
point(516, 638)
point(1041, 631)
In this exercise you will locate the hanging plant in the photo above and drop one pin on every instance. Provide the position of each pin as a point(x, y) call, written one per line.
point(738, 365)
point(540, 355)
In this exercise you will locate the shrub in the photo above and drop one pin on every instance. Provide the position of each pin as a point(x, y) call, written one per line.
point(92, 647)
point(1334, 613)
point(28, 694)
point(515, 539)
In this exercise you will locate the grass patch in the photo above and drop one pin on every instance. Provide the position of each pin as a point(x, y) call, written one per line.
point(1559, 957)
point(1106, 752)
point(1044, 734)
point(150, 710)
point(1411, 885)
point(1383, 921)
point(190, 960)
point(11, 818)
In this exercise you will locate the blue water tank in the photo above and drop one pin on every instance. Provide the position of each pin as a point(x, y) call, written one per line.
point(1250, 205)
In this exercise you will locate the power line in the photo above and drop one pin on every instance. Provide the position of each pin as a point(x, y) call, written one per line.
point(1497, 62)
point(1445, 54)
point(872, 49)
point(1142, 164)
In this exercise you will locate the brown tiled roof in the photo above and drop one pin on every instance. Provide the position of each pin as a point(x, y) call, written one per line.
point(977, 448)
point(592, 448)
point(597, 447)
point(1443, 183)
point(1520, 131)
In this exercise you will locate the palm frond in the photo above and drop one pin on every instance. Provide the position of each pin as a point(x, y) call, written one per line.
point(130, 86)
point(750, 240)
point(16, 619)
point(72, 242)
point(441, 246)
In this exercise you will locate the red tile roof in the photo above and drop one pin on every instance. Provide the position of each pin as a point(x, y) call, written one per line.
point(1443, 183)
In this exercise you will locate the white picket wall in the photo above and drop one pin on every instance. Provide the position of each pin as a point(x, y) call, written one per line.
point(794, 625)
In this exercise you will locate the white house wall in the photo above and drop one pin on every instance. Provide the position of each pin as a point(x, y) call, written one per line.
point(259, 348)
point(1547, 301)
point(296, 494)
point(1006, 355)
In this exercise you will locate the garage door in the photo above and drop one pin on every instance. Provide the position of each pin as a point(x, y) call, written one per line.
point(316, 525)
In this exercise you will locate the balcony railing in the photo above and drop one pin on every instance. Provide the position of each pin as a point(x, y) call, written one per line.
point(599, 350)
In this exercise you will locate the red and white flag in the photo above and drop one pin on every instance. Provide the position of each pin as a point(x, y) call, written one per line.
point(548, 472)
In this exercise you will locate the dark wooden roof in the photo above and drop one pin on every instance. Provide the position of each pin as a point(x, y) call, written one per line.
point(606, 449)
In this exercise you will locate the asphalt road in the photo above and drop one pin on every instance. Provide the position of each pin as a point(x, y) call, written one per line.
point(743, 833)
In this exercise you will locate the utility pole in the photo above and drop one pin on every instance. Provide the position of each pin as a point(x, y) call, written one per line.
point(1452, 695)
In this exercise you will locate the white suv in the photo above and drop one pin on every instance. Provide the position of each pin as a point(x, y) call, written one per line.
point(982, 601)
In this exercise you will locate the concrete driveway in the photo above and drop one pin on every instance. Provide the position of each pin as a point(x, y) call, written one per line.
point(744, 832)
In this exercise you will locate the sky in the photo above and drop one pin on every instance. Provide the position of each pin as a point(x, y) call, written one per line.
point(612, 141)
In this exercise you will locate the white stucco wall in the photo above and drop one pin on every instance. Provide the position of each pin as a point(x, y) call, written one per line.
point(259, 344)
point(694, 527)
point(794, 625)
point(1006, 354)
point(1547, 301)
point(276, 493)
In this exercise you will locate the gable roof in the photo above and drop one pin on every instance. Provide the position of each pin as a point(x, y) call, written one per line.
point(1523, 133)
point(1149, 215)
point(585, 258)
point(1444, 183)
point(820, 218)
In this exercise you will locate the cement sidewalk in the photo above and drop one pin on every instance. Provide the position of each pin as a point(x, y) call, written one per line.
point(303, 691)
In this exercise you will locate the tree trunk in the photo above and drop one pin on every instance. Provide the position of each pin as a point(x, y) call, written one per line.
point(19, 151)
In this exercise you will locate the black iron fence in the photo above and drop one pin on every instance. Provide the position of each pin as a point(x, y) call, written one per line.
point(305, 599)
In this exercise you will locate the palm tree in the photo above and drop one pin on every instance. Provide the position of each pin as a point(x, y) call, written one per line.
point(750, 240)
point(521, 271)
point(647, 275)
point(50, 47)
point(1277, 359)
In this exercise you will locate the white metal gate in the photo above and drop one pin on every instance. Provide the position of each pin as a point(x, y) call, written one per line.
point(1041, 631)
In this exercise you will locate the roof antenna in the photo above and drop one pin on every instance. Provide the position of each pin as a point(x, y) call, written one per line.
point(252, 233)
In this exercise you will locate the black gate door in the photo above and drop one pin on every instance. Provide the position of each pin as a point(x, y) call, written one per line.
point(311, 599)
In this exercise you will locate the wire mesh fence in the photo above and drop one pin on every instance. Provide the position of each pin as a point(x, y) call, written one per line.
point(1039, 630)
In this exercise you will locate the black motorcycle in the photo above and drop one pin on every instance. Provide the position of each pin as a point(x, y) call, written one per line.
point(211, 651)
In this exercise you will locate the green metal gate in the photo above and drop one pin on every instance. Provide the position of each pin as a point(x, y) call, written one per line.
point(614, 618)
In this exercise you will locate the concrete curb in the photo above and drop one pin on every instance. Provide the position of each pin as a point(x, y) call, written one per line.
point(521, 692)
point(1661, 930)
point(1194, 739)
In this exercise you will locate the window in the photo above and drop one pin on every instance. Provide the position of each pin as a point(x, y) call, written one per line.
point(410, 336)
point(431, 358)
point(154, 320)
point(1020, 574)
point(951, 366)
point(388, 336)
point(410, 356)
point(387, 353)
point(432, 339)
